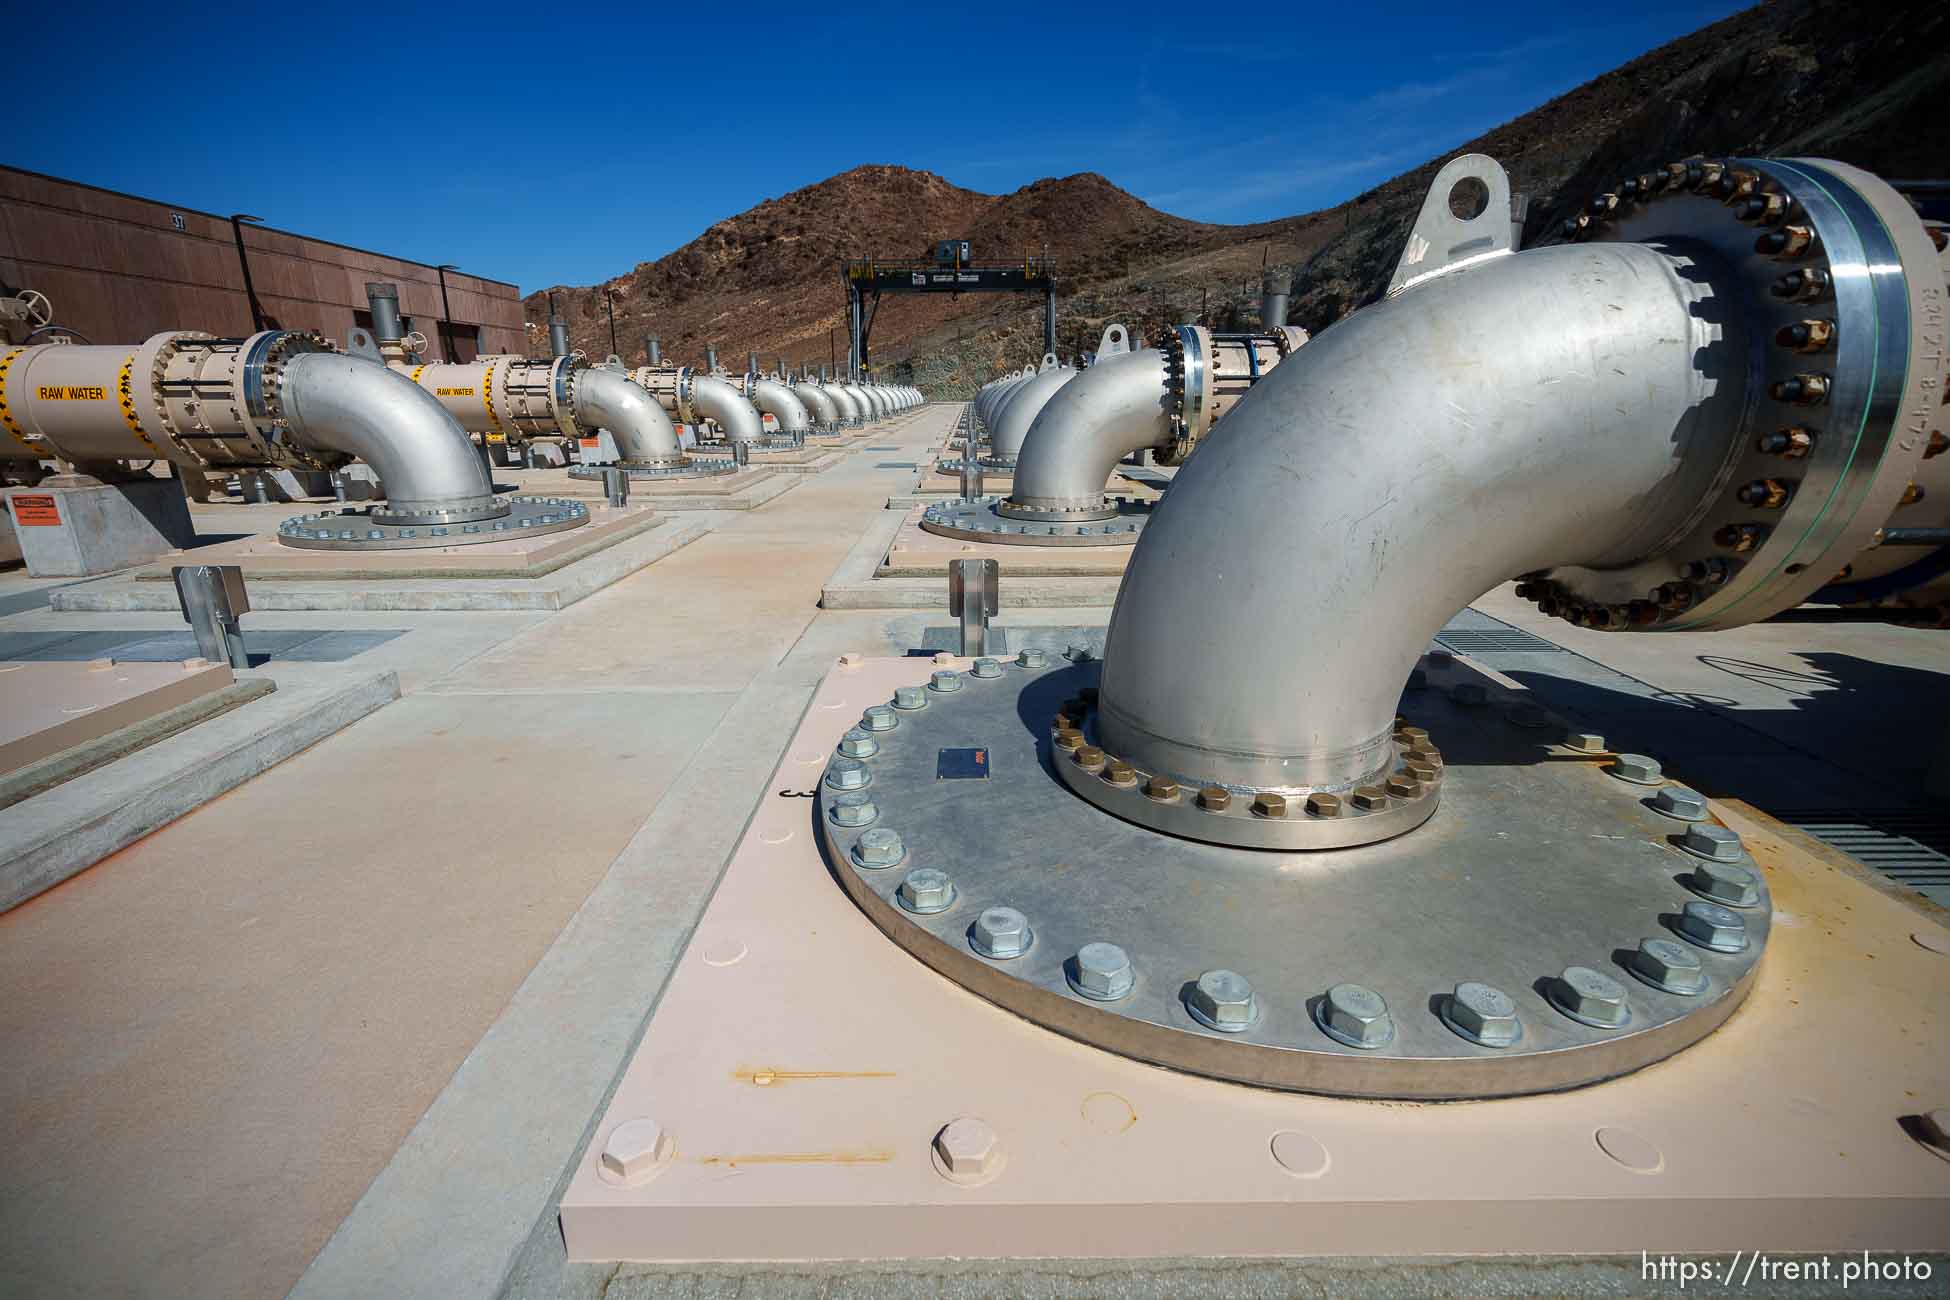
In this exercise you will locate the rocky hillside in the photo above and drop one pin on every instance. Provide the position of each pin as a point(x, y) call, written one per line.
point(1862, 83)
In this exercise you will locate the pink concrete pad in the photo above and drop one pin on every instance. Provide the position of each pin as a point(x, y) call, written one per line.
point(48, 707)
point(803, 1065)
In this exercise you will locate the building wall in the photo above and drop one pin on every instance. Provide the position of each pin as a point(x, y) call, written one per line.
point(118, 269)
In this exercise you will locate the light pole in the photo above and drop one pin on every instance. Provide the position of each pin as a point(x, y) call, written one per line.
point(446, 313)
point(609, 301)
point(237, 220)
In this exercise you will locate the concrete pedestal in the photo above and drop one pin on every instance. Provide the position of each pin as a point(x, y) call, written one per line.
point(81, 527)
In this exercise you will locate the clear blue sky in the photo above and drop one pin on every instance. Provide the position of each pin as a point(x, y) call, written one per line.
point(556, 144)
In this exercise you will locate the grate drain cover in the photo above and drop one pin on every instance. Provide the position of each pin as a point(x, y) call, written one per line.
point(1465, 641)
point(1910, 846)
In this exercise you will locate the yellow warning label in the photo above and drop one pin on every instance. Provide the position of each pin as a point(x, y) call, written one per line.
point(453, 392)
point(71, 393)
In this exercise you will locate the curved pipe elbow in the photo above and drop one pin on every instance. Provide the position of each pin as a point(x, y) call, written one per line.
point(825, 411)
point(774, 398)
point(1013, 420)
point(721, 402)
point(849, 406)
point(1103, 415)
point(1556, 407)
point(426, 460)
point(605, 399)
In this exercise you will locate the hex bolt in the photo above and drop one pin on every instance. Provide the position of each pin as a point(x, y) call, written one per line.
point(1161, 788)
point(1069, 740)
point(1403, 786)
point(1268, 804)
point(1222, 1000)
point(847, 774)
point(854, 808)
point(1712, 841)
point(1031, 659)
point(968, 1151)
point(1324, 804)
point(909, 698)
point(1681, 802)
point(985, 669)
point(1088, 757)
point(1001, 933)
point(636, 1148)
point(1426, 773)
point(1484, 1015)
point(1424, 753)
point(1215, 798)
point(926, 890)
point(1730, 883)
point(1713, 927)
point(1101, 972)
point(1469, 694)
point(1118, 772)
point(1368, 797)
point(1636, 768)
point(1590, 997)
point(1413, 737)
point(1668, 964)
point(879, 847)
point(944, 681)
point(858, 744)
point(879, 717)
point(1585, 742)
point(1079, 653)
point(1356, 1016)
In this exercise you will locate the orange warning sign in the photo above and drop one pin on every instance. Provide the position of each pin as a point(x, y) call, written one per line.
point(36, 511)
point(591, 443)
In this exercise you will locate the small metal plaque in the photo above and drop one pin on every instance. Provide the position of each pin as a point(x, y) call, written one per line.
point(962, 765)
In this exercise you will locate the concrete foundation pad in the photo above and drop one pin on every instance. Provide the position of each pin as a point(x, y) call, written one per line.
point(917, 553)
point(800, 460)
point(855, 584)
point(68, 829)
point(557, 589)
point(802, 1125)
point(47, 707)
point(746, 490)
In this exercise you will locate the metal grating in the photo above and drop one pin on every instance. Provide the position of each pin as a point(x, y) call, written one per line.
point(896, 464)
point(883, 449)
point(1910, 846)
point(1467, 641)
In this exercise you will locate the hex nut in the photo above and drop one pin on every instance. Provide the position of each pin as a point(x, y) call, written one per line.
point(945, 681)
point(1079, 653)
point(1669, 965)
point(1324, 803)
point(847, 774)
point(636, 1149)
point(1000, 933)
point(1636, 768)
point(1214, 798)
point(858, 744)
point(1426, 773)
point(1424, 753)
point(879, 717)
point(1403, 786)
point(1268, 804)
point(1469, 694)
point(909, 698)
point(1713, 927)
point(1590, 997)
point(985, 668)
point(1088, 757)
point(854, 808)
point(926, 890)
point(1712, 841)
point(1101, 972)
point(1368, 797)
point(1069, 740)
point(1355, 1016)
point(1118, 772)
point(967, 1151)
point(879, 847)
point(1161, 788)
point(1413, 737)
point(1482, 1014)
point(1031, 659)
point(1725, 882)
point(1222, 1000)
point(1586, 742)
point(1682, 802)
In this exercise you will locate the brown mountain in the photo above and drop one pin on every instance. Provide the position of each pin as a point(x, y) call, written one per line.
point(1862, 83)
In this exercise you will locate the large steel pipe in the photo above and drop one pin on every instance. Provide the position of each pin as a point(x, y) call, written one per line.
point(718, 400)
point(851, 413)
point(778, 400)
point(1020, 411)
point(608, 399)
point(1101, 416)
point(824, 410)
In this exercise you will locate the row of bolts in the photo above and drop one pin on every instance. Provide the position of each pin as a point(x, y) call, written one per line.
point(1350, 1014)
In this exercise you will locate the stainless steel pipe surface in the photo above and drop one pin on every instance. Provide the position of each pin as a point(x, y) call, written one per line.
point(849, 405)
point(1557, 407)
point(1020, 410)
point(427, 462)
point(718, 400)
point(824, 410)
point(774, 398)
point(609, 399)
point(1103, 415)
